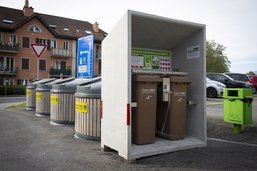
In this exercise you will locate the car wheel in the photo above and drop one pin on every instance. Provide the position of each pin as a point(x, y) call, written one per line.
point(211, 92)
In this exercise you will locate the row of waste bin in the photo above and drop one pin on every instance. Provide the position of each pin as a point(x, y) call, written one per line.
point(161, 105)
point(68, 101)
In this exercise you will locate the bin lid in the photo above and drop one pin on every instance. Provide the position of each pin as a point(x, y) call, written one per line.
point(92, 90)
point(146, 78)
point(48, 86)
point(43, 81)
point(161, 73)
point(71, 86)
point(180, 80)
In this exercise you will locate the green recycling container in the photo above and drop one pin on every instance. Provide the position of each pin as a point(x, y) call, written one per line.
point(238, 105)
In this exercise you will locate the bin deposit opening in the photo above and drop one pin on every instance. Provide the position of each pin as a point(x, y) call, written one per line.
point(233, 93)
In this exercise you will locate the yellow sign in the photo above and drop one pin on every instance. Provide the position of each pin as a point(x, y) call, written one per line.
point(54, 99)
point(28, 92)
point(38, 96)
point(81, 107)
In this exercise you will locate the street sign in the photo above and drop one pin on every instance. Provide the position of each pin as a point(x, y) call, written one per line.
point(85, 57)
point(38, 48)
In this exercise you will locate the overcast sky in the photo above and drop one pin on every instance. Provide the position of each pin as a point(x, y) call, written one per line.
point(232, 23)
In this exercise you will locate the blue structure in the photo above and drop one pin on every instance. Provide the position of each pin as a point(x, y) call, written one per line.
point(85, 57)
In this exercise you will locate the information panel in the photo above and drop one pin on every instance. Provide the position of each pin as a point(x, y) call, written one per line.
point(85, 57)
point(150, 59)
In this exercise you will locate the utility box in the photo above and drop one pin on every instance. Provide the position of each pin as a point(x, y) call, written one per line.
point(238, 105)
point(167, 46)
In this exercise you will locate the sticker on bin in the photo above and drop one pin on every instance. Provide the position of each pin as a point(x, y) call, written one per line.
point(38, 95)
point(182, 93)
point(28, 92)
point(81, 107)
point(148, 91)
point(54, 99)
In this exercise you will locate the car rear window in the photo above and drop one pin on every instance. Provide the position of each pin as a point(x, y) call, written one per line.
point(239, 77)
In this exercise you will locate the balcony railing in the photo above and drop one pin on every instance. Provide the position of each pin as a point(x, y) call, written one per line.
point(12, 71)
point(9, 47)
point(58, 72)
point(60, 53)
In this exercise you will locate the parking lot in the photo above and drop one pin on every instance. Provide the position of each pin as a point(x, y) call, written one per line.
point(29, 142)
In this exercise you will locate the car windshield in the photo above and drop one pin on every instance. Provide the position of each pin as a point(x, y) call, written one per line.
point(222, 78)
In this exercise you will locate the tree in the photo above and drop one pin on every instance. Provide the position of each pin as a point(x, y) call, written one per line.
point(216, 60)
point(250, 73)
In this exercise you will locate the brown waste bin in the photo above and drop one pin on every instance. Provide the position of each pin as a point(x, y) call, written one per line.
point(144, 93)
point(172, 115)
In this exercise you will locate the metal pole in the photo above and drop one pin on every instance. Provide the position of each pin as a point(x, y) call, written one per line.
point(37, 68)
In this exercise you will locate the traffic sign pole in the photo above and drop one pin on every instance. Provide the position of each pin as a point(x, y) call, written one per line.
point(37, 68)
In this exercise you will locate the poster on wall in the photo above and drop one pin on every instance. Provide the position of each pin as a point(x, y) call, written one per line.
point(193, 52)
point(150, 59)
point(85, 57)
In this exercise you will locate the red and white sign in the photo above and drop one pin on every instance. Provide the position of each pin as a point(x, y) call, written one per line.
point(38, 48)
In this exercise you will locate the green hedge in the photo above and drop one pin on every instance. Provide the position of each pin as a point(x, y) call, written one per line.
point(12, 90)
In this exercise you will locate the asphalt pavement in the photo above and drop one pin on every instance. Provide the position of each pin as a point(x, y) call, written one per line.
point(29, 142)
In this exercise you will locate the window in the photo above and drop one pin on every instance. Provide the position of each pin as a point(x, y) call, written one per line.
point(98, 51)
point(13, 39)
point(221, 78)
point(53, 44)
point(41, 41)
point(2, 66)
point(66, 45)
point(8, 82)
point(6, 64)
point(44, 41)
point(35, 29)
point(24, 63)
point(42, 65)
point(60, 65)
point(25, 42)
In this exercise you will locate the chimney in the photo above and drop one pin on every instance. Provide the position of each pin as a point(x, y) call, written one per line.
point(27, 11)
point(96, 27)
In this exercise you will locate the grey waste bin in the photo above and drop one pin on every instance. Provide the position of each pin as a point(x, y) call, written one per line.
point(43, 96)
point(87, 111)
point(31, 92)
point(62, 101)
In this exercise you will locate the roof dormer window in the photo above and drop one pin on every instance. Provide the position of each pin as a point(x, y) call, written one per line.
point(35, 29)
point(88, 32)
point(8, 21)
